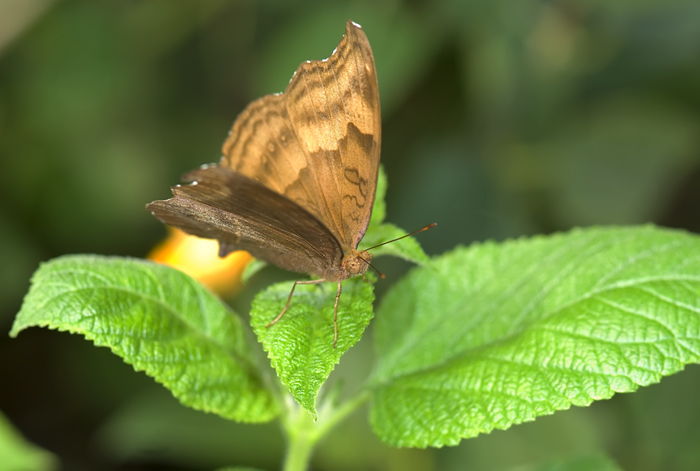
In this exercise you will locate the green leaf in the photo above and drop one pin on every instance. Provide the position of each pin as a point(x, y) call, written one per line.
point(407, 248)
point(18, 454)
point(300, 344)
point(160, 321)
point(498, 334)
point(252, 269)
point(379, 208)
point(377, 233)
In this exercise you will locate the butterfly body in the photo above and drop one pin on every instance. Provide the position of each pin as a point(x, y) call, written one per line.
point(296, 184)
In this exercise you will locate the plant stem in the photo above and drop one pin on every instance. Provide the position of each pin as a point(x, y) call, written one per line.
point(324, 424)
point(301, 440)
point(303, 433)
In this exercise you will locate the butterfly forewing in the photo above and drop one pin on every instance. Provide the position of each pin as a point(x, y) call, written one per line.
point(318, 143)
point(263, 146)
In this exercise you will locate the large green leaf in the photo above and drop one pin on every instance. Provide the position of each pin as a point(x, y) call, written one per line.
point(160, 321)
point(300, 344)
point(497, 334)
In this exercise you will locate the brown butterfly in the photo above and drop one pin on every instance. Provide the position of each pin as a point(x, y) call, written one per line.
point(296, 183)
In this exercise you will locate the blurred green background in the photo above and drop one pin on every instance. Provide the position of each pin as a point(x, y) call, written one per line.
point(501, 119)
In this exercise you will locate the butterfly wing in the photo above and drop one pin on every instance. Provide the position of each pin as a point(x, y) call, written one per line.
point(242, 214)
point(318, 143)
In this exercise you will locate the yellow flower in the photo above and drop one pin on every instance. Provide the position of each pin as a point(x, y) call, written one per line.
point(199, 258)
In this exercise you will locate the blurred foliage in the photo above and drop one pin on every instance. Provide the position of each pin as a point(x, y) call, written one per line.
point(501, 118)
point(17, 454)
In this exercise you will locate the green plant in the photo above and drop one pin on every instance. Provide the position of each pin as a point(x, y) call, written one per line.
point(480, 338)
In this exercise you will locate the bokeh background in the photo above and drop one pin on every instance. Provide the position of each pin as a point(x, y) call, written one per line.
point(502, 118)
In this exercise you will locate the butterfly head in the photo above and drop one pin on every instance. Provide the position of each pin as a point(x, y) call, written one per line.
point(356, 262)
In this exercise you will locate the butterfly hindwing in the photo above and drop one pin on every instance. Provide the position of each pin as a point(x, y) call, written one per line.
point(242, 214)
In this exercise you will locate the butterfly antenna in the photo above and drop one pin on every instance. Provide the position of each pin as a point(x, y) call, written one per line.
point(381, 275)
point(429, 226)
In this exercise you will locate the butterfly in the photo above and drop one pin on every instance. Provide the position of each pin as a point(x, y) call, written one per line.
point(296, 183)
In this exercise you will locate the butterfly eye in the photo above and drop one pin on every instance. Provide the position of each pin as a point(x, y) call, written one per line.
point(352, 266)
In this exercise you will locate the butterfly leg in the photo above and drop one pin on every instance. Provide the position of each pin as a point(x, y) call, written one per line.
point(306, 282)
point(335, 315)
